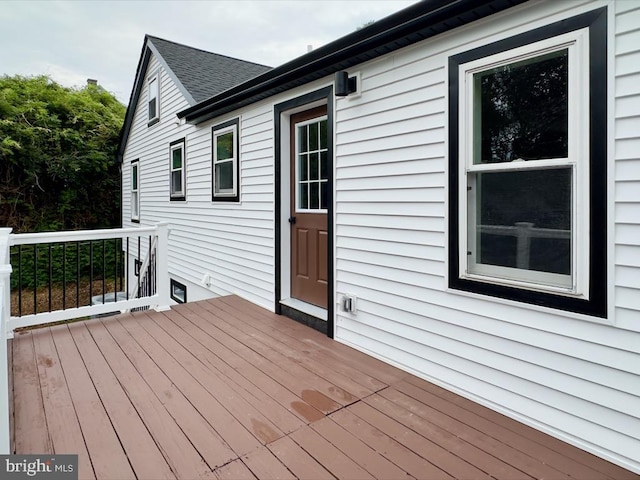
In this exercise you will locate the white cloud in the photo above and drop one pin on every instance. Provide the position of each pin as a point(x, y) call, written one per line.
point(75, 40)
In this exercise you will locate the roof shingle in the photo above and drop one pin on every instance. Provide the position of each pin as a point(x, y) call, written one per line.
point(205, 74)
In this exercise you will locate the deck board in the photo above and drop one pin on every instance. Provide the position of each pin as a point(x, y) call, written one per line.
point(30, 425)
point(184, 460)
point(223, 389)
point(62, 422)
point(103, 446)
point(221, 378)
point(141, 449)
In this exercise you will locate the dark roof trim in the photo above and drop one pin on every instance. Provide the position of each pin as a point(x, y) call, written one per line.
point(145, 55)
point(417, 22)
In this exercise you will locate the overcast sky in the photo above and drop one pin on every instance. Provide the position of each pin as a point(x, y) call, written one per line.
point(74, 40)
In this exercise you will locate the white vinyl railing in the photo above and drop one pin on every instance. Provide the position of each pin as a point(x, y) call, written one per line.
point(524, 232)
point(158, 300)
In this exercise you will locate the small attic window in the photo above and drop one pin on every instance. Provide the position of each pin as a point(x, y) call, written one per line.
point(153, 98)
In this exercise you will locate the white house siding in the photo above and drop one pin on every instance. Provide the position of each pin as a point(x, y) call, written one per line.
point(627, 165)
point(573, 376)
point(150, 145)
point(231, 242)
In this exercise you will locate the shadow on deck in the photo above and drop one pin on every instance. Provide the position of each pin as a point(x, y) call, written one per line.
point(224, 389)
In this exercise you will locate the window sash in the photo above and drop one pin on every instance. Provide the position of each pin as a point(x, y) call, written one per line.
point(576, 283)
point(177, 187)
point(218, 163)
point(135, 196)
point(152, 98)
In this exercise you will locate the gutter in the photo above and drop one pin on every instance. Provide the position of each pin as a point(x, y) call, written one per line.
point(415, 23)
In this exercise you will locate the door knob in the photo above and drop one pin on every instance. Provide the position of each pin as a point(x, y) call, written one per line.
point(292, 220)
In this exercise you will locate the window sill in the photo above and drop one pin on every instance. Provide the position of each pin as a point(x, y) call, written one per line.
point(235, 199)
point(531, 307)
point(153, 122)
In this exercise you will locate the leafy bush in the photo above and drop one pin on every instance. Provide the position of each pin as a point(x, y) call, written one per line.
point(37, 265)
point(57, 156)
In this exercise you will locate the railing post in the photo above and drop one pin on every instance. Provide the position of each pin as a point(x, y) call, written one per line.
point(162, 266)
point(5, 312)
point(523, 246)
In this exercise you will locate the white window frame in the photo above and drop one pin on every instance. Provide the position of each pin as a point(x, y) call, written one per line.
point(297, 170)
point(153, 91)
point(229, 193)
point(135, 191)
point(178, 194)
point(577, 283)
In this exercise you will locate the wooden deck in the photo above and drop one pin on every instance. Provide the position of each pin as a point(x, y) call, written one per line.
point(224, 389)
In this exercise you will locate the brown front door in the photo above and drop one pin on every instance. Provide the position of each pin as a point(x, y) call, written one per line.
point(308, 218)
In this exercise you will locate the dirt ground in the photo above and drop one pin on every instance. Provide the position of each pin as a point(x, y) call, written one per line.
point(47, 303)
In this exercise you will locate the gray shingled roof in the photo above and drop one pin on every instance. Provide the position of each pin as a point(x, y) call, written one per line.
point(205, 74)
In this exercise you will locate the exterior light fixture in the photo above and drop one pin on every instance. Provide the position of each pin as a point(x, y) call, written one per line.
point(344, 85)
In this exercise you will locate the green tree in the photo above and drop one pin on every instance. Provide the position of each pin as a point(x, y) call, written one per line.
point(57, 150)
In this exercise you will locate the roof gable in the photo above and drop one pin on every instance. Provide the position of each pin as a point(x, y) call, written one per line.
point(197, 73)
point(204, 74)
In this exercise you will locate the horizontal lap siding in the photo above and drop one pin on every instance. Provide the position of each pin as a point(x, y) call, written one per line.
point(627, 165)
point(151, 146)
point(232, 242)
point(563, 373)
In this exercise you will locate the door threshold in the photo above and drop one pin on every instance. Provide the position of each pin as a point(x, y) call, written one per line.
point(305, 313)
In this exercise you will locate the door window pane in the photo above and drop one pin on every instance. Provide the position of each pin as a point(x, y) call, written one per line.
point(303, 167)
point(521, 110)
point(303, 200)
point(323, 135)
point(313, 137)
point(303, 139)
point(314, 167)
point(323, 195)
point(314, 196)
point(323, 166)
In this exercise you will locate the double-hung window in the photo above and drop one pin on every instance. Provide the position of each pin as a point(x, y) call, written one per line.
point(153, 98)
point(226, 174)
point(135, 191)
point(527, 187)
point(177, 170)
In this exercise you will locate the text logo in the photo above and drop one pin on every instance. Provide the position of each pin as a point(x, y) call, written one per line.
point(39, 467)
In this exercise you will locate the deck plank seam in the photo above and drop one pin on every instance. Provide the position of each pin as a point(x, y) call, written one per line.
point(104, 407)
point(195, 379)
point(506, 423)
point(66, 385)
point(126, 393)
point(155, 440)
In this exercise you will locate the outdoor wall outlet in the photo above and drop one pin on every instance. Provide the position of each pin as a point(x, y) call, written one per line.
point(349, 303)
point(206, 280)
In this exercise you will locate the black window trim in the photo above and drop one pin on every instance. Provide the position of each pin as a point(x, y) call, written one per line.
point(154, 76)
point(596, 305)
point(183, 197)
point(175, 283)
point(226, 198)
point(137, 163)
